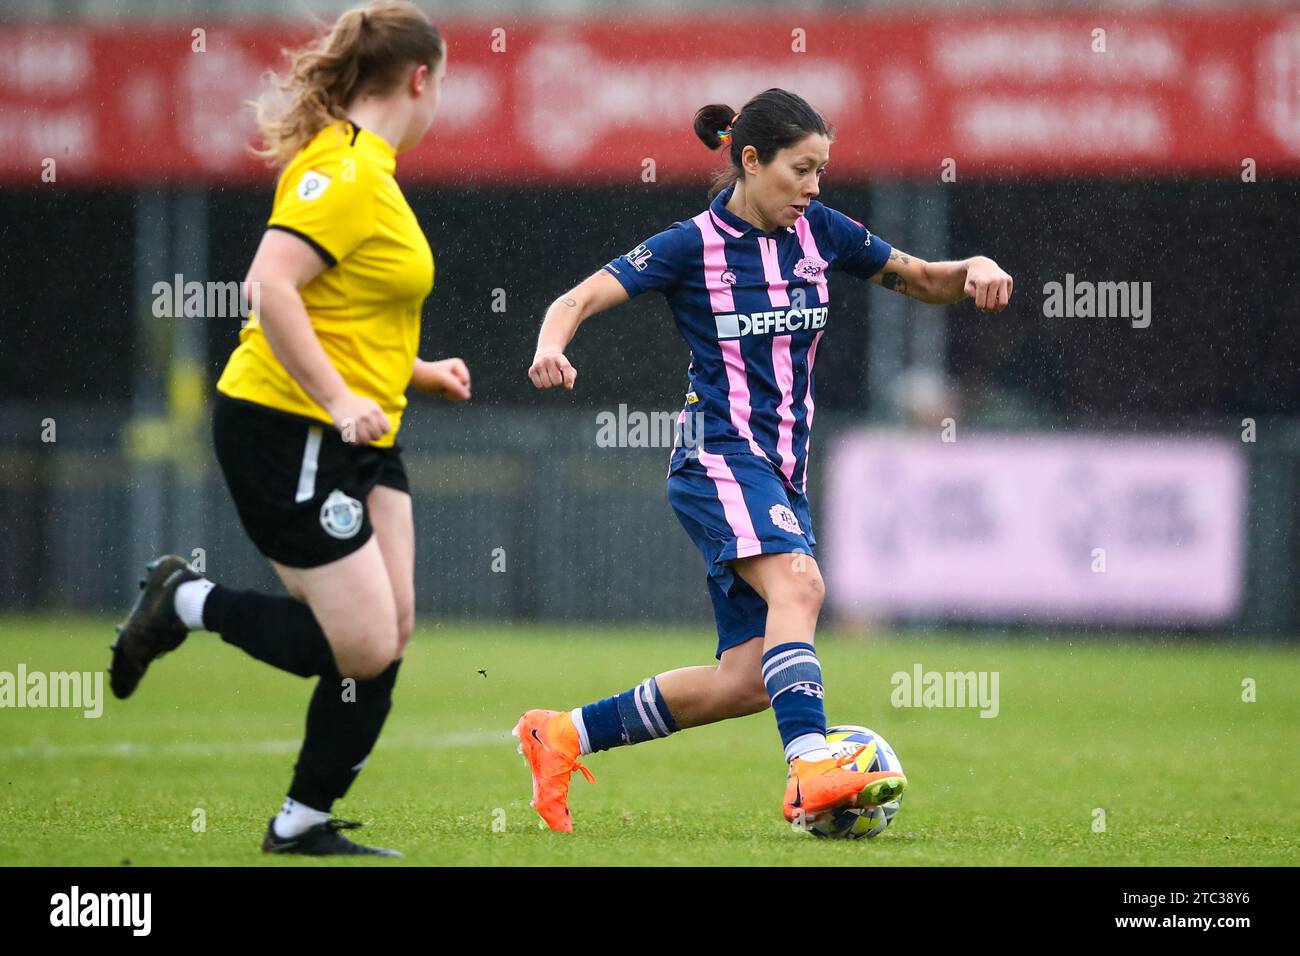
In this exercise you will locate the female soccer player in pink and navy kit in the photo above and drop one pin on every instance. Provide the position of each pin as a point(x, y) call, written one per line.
point(747, 281)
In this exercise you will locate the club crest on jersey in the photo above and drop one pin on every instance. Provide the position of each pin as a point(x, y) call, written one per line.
point(312, 185)
point(784, 519)
point(639, 257)
point(809, 268)
point(729, 277)
point(340, 515)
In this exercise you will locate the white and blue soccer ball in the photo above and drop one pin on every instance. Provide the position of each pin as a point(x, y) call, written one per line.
point(856, 823)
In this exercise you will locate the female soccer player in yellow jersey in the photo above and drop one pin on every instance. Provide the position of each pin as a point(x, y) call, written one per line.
point(308, 409)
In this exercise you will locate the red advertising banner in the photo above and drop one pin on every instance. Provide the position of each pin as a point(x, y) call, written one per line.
point(987, 94)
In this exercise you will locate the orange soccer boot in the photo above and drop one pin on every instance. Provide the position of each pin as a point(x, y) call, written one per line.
point(549, 742)
point(817, 786)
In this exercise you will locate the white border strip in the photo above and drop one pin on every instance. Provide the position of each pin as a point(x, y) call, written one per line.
point(307, 474)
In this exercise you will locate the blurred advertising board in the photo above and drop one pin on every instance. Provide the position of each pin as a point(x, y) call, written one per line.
point(1082, 528)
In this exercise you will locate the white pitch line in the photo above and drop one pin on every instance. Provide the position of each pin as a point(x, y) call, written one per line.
point(473, 738)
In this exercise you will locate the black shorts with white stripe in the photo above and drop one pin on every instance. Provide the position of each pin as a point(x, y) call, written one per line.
point(300, 490)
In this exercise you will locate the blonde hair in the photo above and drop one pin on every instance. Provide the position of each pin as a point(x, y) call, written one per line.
point(367, 50)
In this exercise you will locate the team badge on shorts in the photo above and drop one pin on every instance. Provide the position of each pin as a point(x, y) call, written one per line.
point(340, 515)
point(784, 519)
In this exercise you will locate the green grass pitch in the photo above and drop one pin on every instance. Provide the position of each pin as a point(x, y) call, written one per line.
point(1153, 733)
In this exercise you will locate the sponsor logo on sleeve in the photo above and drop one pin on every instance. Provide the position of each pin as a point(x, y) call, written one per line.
point(639, 257)
point(312, 185)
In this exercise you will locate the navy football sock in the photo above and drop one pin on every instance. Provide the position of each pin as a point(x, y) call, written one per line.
point(793, 676)
point(631, 717)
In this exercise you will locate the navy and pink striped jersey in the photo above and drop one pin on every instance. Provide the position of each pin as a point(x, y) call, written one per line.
point(753, 307)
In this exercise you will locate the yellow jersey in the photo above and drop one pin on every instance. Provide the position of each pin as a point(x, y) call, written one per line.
point(339, 196)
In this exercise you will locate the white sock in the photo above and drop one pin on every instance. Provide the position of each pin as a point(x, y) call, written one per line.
point(190, 598)
point(296, 818)
point(584, 745)
point(808, 747)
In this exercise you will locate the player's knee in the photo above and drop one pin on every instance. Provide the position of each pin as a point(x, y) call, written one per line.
point(747, 695)
point(366, 664)
point(752, 699)
point(804, 592)
point(369, 656)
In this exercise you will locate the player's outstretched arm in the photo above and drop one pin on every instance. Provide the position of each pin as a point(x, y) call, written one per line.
point(939, 283)
point(594, 294)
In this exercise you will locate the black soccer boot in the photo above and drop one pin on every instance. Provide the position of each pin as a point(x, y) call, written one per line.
point(323, 839)
point(152, 628)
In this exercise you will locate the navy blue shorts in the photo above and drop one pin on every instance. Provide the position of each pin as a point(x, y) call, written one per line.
point(736, 506)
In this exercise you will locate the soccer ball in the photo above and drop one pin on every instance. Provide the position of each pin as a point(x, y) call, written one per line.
point(856, 823)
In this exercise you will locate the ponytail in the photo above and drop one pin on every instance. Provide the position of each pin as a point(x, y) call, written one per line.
point(367, 50)
point(771, 121)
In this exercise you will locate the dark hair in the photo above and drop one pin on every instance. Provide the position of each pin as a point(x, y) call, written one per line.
point(771, 121)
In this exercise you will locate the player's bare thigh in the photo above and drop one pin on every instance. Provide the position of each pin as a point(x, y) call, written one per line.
point(353, 602)
point(392, 519)
point(791, 582)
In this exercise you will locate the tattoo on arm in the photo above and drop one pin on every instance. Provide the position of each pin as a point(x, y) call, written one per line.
point(570, 301)
point(894, 282)
point(903, 257)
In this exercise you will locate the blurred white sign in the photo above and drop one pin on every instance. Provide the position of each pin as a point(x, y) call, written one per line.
point(1068, 529)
